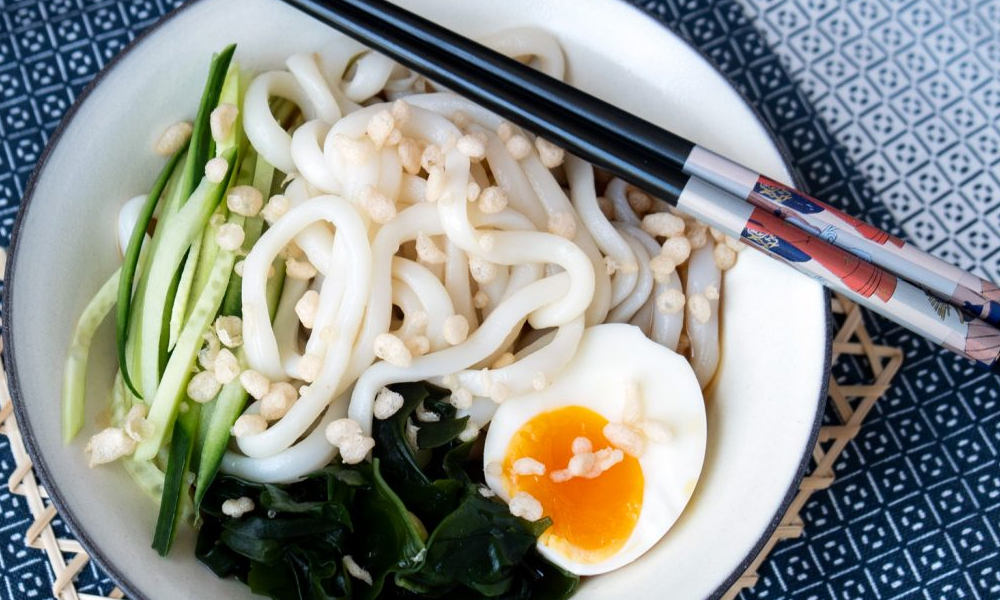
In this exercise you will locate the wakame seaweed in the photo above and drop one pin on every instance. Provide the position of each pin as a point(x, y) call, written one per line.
point(414, 520)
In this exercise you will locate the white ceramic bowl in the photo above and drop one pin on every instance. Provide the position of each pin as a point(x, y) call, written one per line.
point(763, 409)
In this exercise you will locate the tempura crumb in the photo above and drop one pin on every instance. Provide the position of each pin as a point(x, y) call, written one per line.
point(525, 505)
point(380, 127)
point(109, 445)
point(428, 251)
point(562, 224)
point(276, 207)
point(248, 425)
point(699, 308)
point(387, 403)
point(173, 138)
point(492, 200)
point(310, 366)
point(625, 438)
point(237, 507)
point(456, 329)
point(355, 570)
point(670, 302)
point(528, 466)
point(230, 237)
point(226, 366)
point(254, 383)
point(472, 147)
point(222, 120)
point(379, 207)
point(203, 387)
point(725, 257)
point(551, 155)
point(229, 329)
point(518, 146)
point(392, 350)
point(216, 169)
point(278, 400)
point(307, 307)
point(299, 268)
point(483, 271)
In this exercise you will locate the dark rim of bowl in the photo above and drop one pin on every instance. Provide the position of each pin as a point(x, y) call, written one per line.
point(22, 416)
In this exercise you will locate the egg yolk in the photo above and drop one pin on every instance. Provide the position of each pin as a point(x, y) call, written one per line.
point(591, 518)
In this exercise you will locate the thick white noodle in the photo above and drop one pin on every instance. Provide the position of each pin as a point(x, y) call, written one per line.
point(307, 155)
point(702, 273)
point(258, 336)
point(507, 317)
point(664, 329)
point(269, 139)
point(316, 240)
point(627, 308)
point(495, 289)
point(332, 290)
point(581, 184)
point(371, 71)
point(409, 304)
point(524, 42)
point(315, 87)
point(286, 325)
point(309, 455)
point(128, 216)
point(456, 281)
point(519, 376)
point(432, 294)
point(615, 191)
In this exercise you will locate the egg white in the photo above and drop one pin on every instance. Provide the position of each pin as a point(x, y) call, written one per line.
point(596, 378)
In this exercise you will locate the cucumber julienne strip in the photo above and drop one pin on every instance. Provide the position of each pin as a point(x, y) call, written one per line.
point(206, 258)
point(206, 249)
point(183, 293)
point(173, 386)
point(131, 261)
point(181, 447)
point(263, 176)
point(231, 95)
point(75, 373)
point(133, 342)
point(164, 347)
point(228, 407)
point(182, 229)
point(201, 133)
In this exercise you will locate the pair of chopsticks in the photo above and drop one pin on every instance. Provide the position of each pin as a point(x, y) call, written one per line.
point(879, 271)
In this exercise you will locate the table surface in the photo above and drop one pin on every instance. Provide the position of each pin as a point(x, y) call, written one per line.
point(889, 109)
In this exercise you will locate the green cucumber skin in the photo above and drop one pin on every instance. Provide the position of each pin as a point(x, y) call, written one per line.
point(228, 407)
point(174, 485)
point(202, 145)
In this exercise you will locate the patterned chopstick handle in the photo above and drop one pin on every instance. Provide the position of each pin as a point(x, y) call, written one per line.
point(865, 283)
point(978, 297)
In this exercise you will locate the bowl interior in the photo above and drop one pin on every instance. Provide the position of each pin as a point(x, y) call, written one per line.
point(762, 408)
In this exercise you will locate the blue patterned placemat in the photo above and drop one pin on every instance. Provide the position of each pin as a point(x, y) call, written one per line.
point(889, 109)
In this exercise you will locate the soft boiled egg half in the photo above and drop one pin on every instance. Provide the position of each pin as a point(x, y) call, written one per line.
point(611, 450)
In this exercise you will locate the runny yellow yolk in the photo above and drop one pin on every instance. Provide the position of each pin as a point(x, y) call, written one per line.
point(591, 518)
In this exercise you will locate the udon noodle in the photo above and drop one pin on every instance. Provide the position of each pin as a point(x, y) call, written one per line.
point(428, 239)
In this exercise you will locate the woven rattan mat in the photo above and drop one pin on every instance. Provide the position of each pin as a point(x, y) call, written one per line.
point(850, 403)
